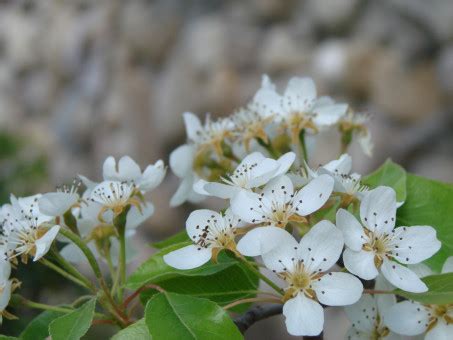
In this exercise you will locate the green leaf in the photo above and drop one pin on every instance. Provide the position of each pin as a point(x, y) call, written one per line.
point(136, 331)
point(5, 337)
point(389, 174)
point(440, 290)
point(156, 270)
point(38, 328)
point(171, 316)
point(224, 287)
point(74, 325)
point(177, 238)
point(430, 203)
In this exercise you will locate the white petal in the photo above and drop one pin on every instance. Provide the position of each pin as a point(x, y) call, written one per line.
point(254, 157)
point(448, 265)
point(57, 203)
point(261, 240)
point(321, 247)
point(314, 195)
point(136, 217)
point(341, 165)
point(421, 269)
point(280, 189)
point(353, 233)
point(5, 294)
point(355, 334)
point(300, 95)
point(181, 160)
point(378, 209)
point(246, 205)
point(402, 277)
point(384, 301)
point(128, 169)
point(262, 173)
point(267, 102)
point(329, 114)
point(87, 182)
point(183, 192)
point(152, 176)
point(5, 269)
point(43, 244)
point(188, 257)
point(442, 331)
point(198, 187)
point(360, 263)
point(285, 162)
point(363, 313)
point(199, 219)
point(303, 316)
point(407, 318)
point(109, 168)
point(366, 143)
point(192, 124)
point(221, 190)
point(415, 244)
point(338, 289)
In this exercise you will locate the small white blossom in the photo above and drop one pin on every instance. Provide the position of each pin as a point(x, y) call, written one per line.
point(181, 163)
point(354, 125)
point(278, 204)
point(376, 245)
point(303, 266)
point(210, 232)
point(414, 318)
point(367, 315)
point(254, 171)
point(57, 203)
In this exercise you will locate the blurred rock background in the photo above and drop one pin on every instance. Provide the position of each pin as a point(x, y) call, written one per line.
point(81, 80)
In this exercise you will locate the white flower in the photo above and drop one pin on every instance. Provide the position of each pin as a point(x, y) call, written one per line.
point(181, 163)
point(59, 202)
point(254, 171)
point(210, 232)
point(375, 244)
point(209, 135)
point(303, 266)
point(278, 204)
point(354, 125)
point(127, 170)
point(301, 109)
point(97, 233)
point(414, 318)
point(115, 196)
point(367, 315)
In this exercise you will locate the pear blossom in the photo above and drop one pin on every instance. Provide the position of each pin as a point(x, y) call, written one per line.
point(210, 232)
point(301, 109)
point(251, 122)
point(99, 235)
point(254, 171)
point(367, 315)
point(415, 318)
point(127, 170)
point(278, 204)
point(354, 125)
point(375, 245)
point(181, 163)
point(115, 196)
point(304, 267)
point(209, 135)
point(59, 202)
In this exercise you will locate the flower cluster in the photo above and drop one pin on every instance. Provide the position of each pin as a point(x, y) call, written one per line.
point(264, 206)
point(30, 225)
point(272, 124)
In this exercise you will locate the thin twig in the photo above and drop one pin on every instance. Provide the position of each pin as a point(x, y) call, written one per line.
point(255, 314)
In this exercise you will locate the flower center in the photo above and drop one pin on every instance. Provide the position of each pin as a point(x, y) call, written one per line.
point(379, 244)
point(299, 281)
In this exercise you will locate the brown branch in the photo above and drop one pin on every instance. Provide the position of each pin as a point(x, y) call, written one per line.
point(255, 314)
point(131, 297)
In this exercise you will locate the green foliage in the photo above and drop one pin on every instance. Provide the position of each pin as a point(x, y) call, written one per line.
point(38, 328)
point(136, 331)
point(74, 325)
point(176, 238)
point(389, 174)
point(430, 203)
point(171, 316)
point(440, 290)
